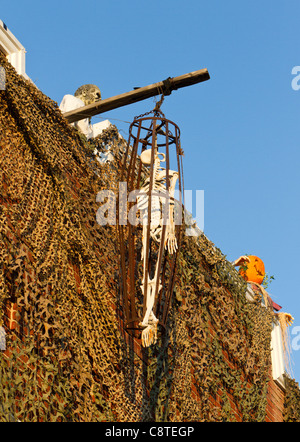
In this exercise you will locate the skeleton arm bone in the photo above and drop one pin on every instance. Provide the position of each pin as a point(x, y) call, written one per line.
point(241, 260)
point(170, 241)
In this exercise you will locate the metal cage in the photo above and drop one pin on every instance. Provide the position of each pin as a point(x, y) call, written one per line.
point(149, 245)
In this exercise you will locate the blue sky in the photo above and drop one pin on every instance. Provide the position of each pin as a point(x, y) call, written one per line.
point(239, 130)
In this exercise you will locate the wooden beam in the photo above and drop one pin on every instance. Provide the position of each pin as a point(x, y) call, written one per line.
point(139, 94)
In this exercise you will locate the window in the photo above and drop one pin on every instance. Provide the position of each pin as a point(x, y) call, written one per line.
point(277, 349)
point(277, 355)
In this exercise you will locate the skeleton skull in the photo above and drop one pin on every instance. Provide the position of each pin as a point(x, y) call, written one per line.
point(88, 93)
point(146, 157)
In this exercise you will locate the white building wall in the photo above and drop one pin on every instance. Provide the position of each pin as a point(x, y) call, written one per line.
point(13, 49)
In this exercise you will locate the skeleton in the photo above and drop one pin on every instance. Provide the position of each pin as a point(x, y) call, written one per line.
point(88, 93)
point(162, 202)
point(84, 95)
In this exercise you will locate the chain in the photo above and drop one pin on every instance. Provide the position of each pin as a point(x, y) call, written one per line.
point(143, 115)
point(156, 110)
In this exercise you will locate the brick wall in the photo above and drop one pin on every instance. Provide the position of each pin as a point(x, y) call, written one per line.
point(275, 402)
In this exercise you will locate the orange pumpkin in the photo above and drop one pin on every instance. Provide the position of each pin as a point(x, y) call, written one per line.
point(254, 270)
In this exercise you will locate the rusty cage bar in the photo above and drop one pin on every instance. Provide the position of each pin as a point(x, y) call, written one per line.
point(152, 140)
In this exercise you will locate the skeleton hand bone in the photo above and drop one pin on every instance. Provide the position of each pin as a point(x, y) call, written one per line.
point(171, 242)
point(288, 318)
point(241, 260)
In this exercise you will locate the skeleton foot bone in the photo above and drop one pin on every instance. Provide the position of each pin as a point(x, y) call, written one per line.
point(149, 334)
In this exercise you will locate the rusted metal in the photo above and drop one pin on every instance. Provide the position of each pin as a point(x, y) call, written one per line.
point(153, 140)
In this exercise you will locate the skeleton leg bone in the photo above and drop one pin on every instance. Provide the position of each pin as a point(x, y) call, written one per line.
point(149, 334)
point(149, 316)
point(150, 298)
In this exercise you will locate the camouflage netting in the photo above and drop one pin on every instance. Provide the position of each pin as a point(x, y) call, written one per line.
point(292, 401)
point(68, 360)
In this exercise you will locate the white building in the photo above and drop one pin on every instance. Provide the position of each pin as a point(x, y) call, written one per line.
point(12, 49)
